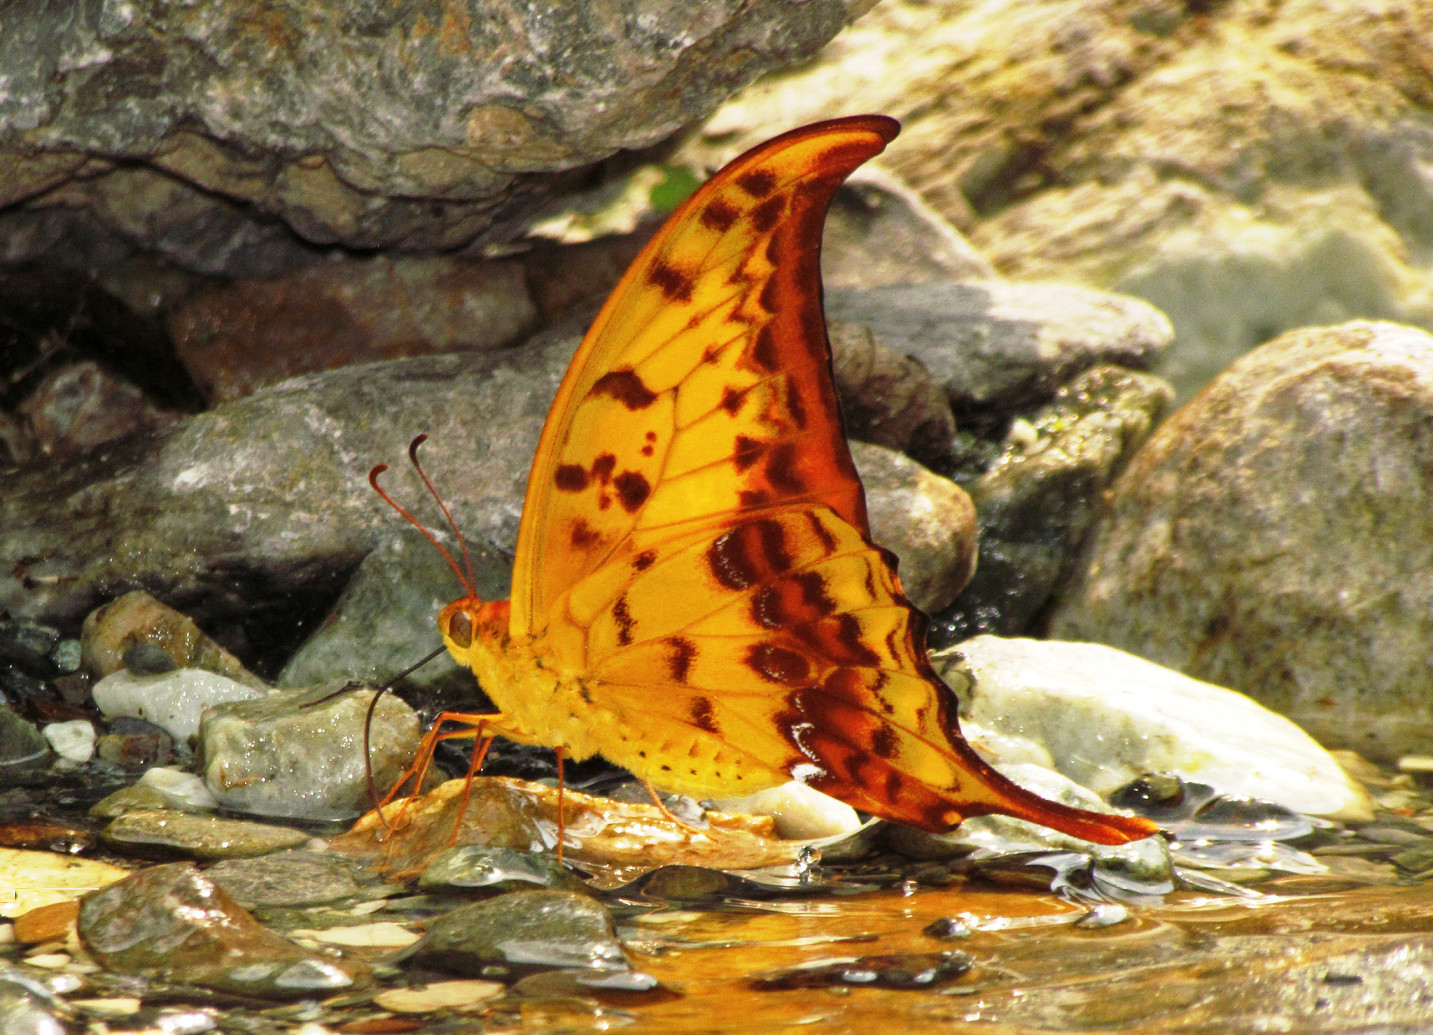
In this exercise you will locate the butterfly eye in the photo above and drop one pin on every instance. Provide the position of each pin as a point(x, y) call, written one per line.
point(460, 629)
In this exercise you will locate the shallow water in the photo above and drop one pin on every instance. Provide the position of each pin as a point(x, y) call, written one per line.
point(1335, 962)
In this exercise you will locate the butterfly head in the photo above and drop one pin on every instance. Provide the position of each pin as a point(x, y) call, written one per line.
point(468, 622)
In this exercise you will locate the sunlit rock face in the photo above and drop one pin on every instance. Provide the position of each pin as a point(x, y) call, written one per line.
point(1276, 536)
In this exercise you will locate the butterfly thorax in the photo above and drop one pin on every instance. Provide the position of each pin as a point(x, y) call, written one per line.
point(531, 691)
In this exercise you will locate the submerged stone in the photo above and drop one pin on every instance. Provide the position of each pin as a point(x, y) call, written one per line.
point(521, 931)
point(489, 868)
point(174, 924)
point(913, 970)
point(202, 837)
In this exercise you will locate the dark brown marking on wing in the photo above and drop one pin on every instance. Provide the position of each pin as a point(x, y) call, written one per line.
point(766, 215)
point(702, 717)
point(651, 444)
point(730, 561)
point(828, 541)
point(622, 615)
point(719, 215)
point(841, 638)
point(753, 499)
point(769, 299)
point(779, 665)
point(731, 400)
point(794, 404)
point(570, 477)
point(680, 656)
point(773, 544)
point(632, 489)
point(748, 451)
point(626, 387)
point(758, 182)
point(584, 536)
point(764, 352)
point(603, 467)
point(673, 283)
point(644, 560)
point(895, 785)
point(883, 742)
point(781, 469)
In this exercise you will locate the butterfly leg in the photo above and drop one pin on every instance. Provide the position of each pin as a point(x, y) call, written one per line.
point(656, 797)
point(417, 771)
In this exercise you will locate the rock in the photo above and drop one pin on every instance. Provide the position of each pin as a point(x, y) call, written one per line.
point(203, 837)
point(521, 931)
point(925, 520)
point(801, 812)
point(295, 878)
point(879, 231)
point(277, 485)
point(193, 140)
point(986, 836)
point(300, 753)
point(27, 1005)
point(387, 617)
point(1276, 536)
point(612, 841)
point(1037, 501)
point(910, 970)
point(993, 344)
point(80, 406)
point(1104, 718)
point(173, 924)
point(181, 790)
point(23, 748)
point(237, 337)
point(1247, 170)
point(137, 621)
point(73, 740)
point(887, 399)
point(134, 743)
point(486, 868)
point(468, 996)
point(174, 701)
point(134, 798)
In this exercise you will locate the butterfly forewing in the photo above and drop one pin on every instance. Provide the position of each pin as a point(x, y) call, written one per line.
point(703, 389)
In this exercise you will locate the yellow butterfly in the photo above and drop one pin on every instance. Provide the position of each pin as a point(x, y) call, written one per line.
point(695, 593)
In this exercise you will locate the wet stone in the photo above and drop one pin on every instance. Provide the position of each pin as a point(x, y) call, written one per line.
point(173, 700)
point(915, 970)
point(300, 753)
point(29, 645)
point(522, 931)
point(125, 623)
point(200, 837)
point(947, 928)
point(485, 868)
point(135, 744)
point(174, 924)
point(183, 791)
point(23, 748)
point(135, 798)
point(297, 878)
point(148, 659)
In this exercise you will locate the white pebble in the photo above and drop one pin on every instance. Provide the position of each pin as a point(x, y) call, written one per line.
point(73, 740)
point(184, 790)
point(1107, 717)
point(801, 812)
point(173, 700)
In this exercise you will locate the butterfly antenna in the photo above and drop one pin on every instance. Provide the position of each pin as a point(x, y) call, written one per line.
point(368, 726)
point(468, 582)
point(472, 580)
